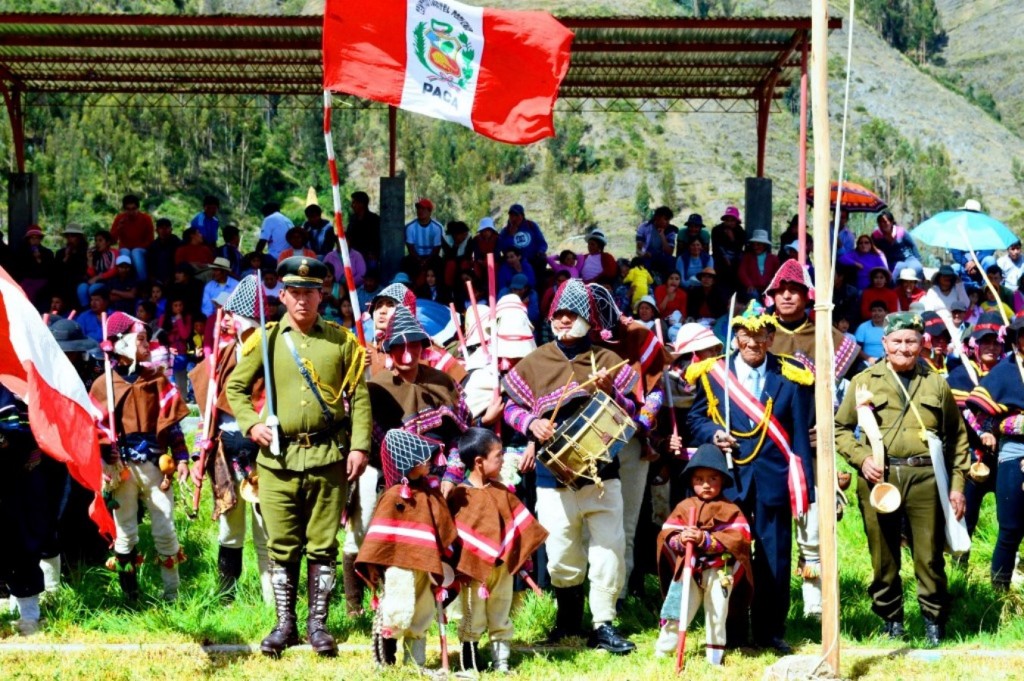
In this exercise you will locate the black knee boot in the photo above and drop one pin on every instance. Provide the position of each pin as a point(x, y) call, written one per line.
point(285, 579)
point(126, 574)
point(229, 568)
point(320, 583)
point(569, 618)
point(353, 586)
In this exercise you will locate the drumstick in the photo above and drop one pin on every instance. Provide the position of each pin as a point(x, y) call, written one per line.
point(565, 388)
point(585, 384)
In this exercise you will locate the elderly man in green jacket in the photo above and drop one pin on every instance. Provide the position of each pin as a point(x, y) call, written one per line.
point(912, 405)
point(316, 369)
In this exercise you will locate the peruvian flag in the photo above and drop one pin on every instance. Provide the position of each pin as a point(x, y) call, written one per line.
point(496, 72)
point(62, 417)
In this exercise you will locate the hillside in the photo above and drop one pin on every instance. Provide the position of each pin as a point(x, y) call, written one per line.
point(939, 146)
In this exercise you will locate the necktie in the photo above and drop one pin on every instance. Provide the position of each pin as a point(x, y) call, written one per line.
point(754, 383)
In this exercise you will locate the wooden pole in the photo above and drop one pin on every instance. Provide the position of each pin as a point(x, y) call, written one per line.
point(823, 351)
point(801, 192)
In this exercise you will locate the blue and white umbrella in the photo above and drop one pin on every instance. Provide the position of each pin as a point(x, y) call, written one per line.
point(962, 229)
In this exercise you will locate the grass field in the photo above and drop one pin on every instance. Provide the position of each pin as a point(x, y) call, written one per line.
point(87, 610)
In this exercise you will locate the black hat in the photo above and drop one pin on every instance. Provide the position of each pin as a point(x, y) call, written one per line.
point(708, 456)
point(300, 272)
point(989, 323)
point(695, 220)
point(69, 335)
point(933, 324)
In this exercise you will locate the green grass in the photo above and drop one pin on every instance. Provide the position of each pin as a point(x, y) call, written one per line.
point(88, 609)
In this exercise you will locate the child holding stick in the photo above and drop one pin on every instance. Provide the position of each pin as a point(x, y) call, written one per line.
point(721, 550)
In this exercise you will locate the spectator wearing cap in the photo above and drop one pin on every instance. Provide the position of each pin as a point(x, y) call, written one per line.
point(485, 241)
point(656, 241)
point(694, 231)
point(207, 222)
point(707, 301)
point(34, 267)
point(1012, 265)
point(134, 231)
point(362, 231)
point(908, 291)
point(194, 251)
point(274, 230)
point(423, 236)
point(320, 237)
point(525, 235)
point(123, 286)
point(161, 253)
point(727, 241)
point(865, 258)
point(946, 290)
point(520, 286)
point(595, 264)
point(692, 261)
point(646, 313)
point(230, 248)
point(758, 264)
point(296, 238)
point(220, 282)
point(880, 289)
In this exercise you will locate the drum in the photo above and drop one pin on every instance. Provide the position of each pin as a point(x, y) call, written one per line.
point(587, 442)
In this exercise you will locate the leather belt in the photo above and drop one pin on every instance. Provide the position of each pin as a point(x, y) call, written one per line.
point(911, 461)
point(308, 440)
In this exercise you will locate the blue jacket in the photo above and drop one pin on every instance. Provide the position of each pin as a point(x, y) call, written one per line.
point(766, 476)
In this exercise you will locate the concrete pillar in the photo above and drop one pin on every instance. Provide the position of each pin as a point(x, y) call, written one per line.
point(392, 225)
point(758, 213)
point(22, 204)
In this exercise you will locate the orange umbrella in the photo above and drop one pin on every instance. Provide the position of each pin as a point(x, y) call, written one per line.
point(855, 199)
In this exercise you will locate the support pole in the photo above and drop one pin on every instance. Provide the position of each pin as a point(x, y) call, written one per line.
point(764, 104)
point(392, 140)
point(801, 202)
point(824, 352)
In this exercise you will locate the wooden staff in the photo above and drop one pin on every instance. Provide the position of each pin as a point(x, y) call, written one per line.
point(108, 377)
point(684, 602)
point(204, 444)
point(458, 332)
point(476, 316)
point(492, 298)
point(668, 388)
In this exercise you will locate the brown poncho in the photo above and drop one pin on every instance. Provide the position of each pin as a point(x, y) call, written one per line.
point(728, 527)
point(495, 528)
point(415, 534)
point(149, 405)
point(646, 355)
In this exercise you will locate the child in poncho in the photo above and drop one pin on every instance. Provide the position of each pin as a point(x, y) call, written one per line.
point(498, 537)
point(409, 545)
point(721, 553)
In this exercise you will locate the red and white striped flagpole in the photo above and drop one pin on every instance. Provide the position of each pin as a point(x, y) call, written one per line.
point(339, 226)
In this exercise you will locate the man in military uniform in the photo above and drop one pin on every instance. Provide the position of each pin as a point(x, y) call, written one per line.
point(315, 368)
point(918, 419)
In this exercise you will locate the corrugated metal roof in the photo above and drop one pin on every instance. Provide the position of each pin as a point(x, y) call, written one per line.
point(637, 59)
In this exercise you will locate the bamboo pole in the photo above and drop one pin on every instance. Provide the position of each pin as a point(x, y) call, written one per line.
point(824, 352)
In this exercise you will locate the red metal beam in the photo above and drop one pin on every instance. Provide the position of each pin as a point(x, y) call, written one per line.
point(219, 20)
point(654, 85)
point(766, 88)
point(225, 43)
point(674, 47)
point(767, 23)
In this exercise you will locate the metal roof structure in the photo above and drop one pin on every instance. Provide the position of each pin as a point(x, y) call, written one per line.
point(617, 63)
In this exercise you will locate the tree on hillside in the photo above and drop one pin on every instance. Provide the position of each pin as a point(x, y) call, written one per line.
point(911, 26)
point(642, 202)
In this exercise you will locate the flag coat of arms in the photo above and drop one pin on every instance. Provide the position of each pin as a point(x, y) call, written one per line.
point(496, 72)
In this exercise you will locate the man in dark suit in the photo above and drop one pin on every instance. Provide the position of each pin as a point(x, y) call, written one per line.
point(767, 412)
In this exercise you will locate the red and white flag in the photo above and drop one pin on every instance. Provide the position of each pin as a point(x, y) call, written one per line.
point(60, 412)
point(497, 72)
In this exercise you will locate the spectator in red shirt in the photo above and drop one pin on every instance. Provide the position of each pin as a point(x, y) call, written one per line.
point(758, 265)
point(670, 296)
point(908, 291)
point(881, 279)
point(134, 231)
point(194, 251)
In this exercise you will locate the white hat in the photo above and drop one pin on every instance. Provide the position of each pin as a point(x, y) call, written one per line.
point(221, 264)
point(908, 274)
point(469, 327)
point(693, 337)
point(479, 389)
point(514, 330)
point(486, 223)
point(598, 235)
point(760, 236)
point(123, 260)
point(971, 204)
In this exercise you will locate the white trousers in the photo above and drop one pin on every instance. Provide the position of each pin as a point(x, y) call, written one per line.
point(144, 482)
point(408, 607)
point(360, 516)
point(808, 544)
point(633, 475)
point(566, 514)
point(715, 598)
point(231, 535)
point(491, 615)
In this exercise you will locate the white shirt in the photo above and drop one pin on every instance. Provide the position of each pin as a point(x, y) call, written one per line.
point(275, 227)
point(936, 300)
point(1011, 271)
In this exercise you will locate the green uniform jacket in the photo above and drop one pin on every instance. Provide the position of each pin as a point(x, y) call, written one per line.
point(332, 352)
point(901, 432)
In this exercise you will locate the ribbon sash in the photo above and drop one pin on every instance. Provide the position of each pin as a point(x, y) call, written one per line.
point(799, 497)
